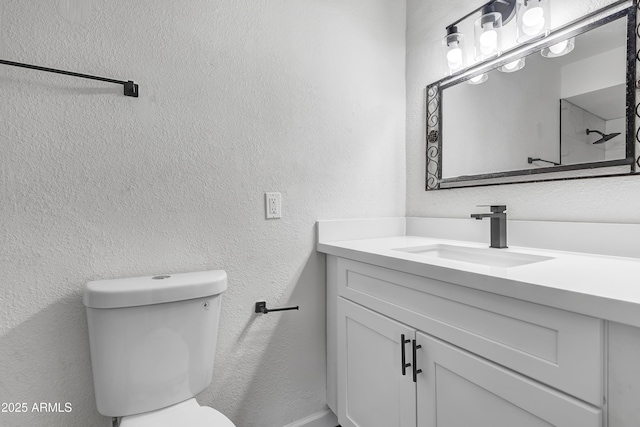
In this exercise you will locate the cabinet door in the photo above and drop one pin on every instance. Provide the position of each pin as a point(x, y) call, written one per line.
point(457, 389)
point(372, 391)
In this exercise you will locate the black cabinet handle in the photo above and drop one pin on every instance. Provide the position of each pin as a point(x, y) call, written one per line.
point(415, 362)
point(405, 365)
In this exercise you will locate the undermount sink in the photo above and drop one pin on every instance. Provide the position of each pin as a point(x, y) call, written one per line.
point(482, 256)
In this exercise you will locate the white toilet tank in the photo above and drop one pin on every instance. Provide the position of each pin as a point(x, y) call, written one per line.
point(152, 339)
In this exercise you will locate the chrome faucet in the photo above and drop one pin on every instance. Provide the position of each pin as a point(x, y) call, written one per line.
point(498, 217)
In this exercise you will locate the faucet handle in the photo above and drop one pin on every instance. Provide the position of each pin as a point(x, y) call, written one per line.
point(495, 208)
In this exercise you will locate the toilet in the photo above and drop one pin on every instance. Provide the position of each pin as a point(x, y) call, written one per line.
point(153, 341)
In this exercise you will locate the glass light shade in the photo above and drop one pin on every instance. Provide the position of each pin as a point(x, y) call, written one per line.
point(513, 66)
point(478, 79)
point(453, 51)
point(558, 49)
point(533, 19)
point(488, 35)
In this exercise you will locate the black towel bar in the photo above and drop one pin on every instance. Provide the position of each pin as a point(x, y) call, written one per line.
point(130, 87)
point(261, 307)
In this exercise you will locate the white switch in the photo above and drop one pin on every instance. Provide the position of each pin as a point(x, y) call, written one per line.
point(272, 205)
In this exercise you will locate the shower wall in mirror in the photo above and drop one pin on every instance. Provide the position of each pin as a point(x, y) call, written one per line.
point(592, 127)
point(563, 117)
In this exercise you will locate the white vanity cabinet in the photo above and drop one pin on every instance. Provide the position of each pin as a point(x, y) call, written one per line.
point(482, 359)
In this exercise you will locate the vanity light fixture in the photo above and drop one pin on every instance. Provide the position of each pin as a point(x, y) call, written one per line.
point(533, 19)
point(558, 49)
point(532, 22)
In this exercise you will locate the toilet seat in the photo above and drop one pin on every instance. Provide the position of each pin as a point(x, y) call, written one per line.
point(188, 414)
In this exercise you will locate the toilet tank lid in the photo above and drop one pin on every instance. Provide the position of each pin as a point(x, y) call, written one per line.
point(158, 289)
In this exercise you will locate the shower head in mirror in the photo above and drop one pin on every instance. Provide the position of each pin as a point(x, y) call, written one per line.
point(605, 137)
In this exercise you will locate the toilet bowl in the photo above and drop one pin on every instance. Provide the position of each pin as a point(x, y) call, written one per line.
point(153, 342)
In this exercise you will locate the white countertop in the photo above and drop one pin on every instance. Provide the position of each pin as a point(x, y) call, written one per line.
point(606, 287)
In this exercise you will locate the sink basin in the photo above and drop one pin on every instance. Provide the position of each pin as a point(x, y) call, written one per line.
point(482, 256)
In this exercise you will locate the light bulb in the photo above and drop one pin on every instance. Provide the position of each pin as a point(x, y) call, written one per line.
point(559, 47)
point(533, 16)
point(488, 40)
point(453, 51)
point(454, 57)
point(478, 79)
point(512, 65)
point(532, 30)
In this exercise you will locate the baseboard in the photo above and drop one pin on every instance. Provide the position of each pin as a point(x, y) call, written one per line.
point(324, 418)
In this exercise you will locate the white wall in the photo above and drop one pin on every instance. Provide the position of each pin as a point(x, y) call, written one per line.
point(616, 148)
point(306, 97)
point(577, 146)
point(599, 200)
point(596, 72)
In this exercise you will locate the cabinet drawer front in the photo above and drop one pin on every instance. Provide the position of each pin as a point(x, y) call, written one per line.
point(559, 348)
point(456, 388)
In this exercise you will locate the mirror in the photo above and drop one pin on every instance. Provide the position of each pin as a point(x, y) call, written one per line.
point(592, 126)
point(561, 117)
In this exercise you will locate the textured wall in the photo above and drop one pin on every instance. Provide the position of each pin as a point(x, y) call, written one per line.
point(306, 97)
point(597, 200)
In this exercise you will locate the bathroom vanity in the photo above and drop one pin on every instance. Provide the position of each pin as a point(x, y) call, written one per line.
point(426, 325)
point(430, 327)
